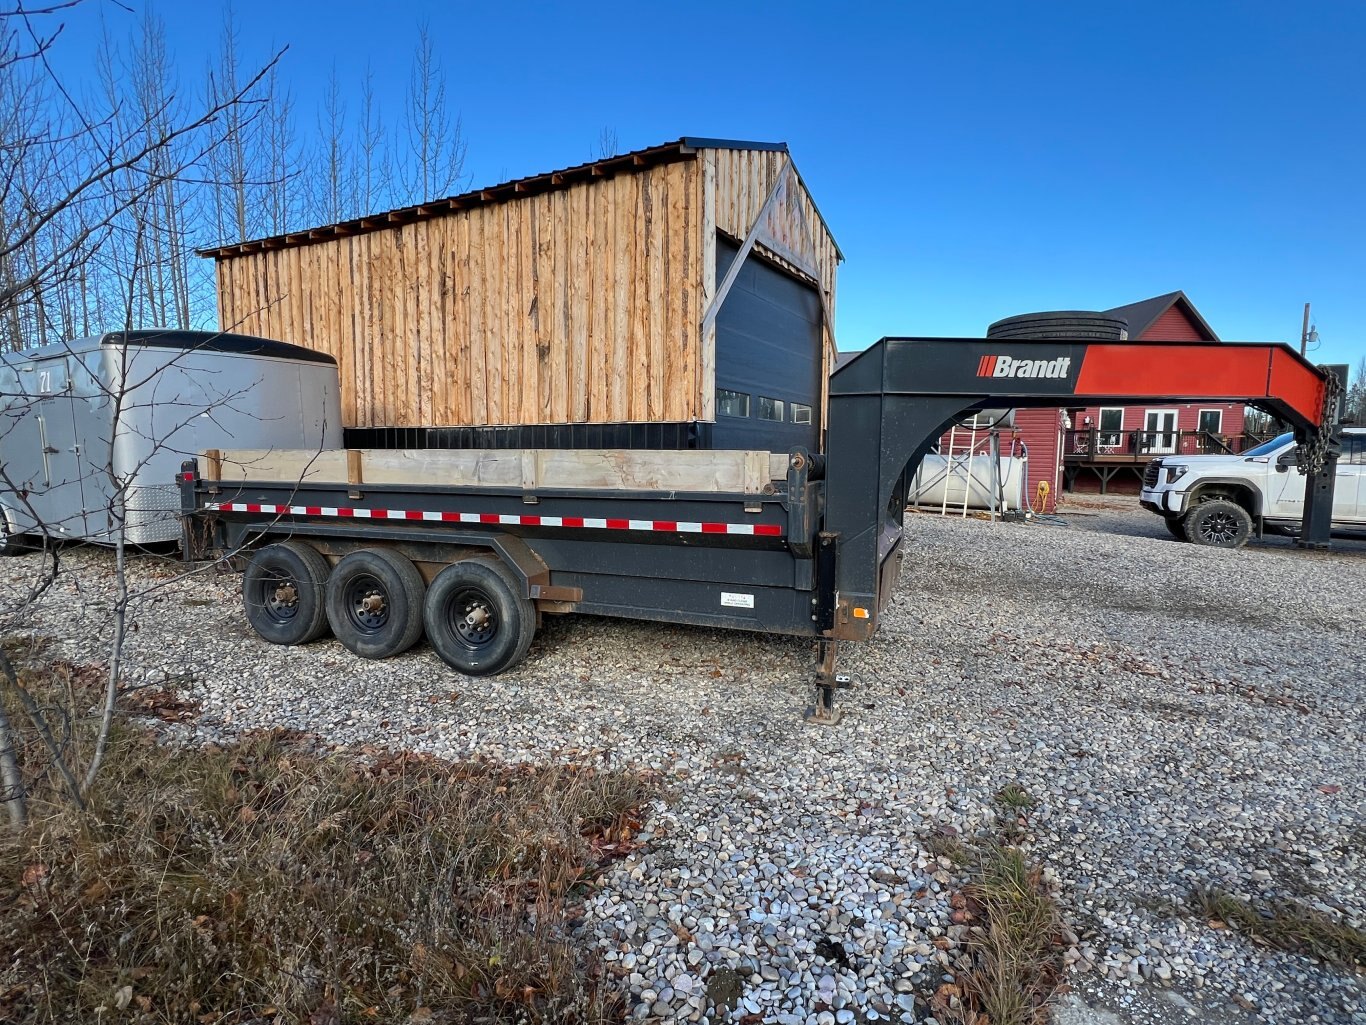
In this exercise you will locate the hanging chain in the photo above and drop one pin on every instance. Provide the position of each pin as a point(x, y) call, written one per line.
point(1312, 454)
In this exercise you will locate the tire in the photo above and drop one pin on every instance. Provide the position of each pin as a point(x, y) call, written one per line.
point(283, 591)
point(1219, 523)
point(1060, 324)
point(374, 603)
point(1176, 526)
point(478, 587)
point(11, 543)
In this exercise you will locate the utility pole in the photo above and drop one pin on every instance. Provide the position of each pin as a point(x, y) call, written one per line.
point(1304, 331)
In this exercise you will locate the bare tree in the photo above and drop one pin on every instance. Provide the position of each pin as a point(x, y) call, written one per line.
point(73, 179)
point(280, 157)
point(607, 145)
point(90, 208)
point(334, 180)
point(1356, 395)
point(435, 138)
point(372, 142)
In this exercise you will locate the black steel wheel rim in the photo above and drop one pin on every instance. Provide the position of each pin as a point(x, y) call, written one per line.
point(1219, 526)
point(367, 603)
point(474, 618)
point(278, 595)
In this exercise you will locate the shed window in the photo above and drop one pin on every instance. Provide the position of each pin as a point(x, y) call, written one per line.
point(771, 409)
point(1353, 451)
point(801, 413)
point(731, 403)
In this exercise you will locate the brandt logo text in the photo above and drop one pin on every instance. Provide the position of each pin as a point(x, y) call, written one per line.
point(1005, 366)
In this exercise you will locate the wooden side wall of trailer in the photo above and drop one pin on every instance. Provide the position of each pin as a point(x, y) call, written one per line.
point(579, 305)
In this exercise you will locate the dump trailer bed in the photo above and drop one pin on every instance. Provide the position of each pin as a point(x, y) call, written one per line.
point(471, 547)
point(713, 557)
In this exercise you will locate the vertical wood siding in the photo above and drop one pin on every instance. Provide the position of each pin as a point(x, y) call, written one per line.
point(578, 305)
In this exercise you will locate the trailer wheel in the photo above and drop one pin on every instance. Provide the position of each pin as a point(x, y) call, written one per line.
point(10, 542)
point(1219, 523)
point(1176, 526)
point(374, 603)
point(283, 592)
point(477, 619)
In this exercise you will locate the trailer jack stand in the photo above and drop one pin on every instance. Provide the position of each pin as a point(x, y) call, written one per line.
point(824, 712)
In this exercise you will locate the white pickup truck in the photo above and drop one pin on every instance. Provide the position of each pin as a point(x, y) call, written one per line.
point(1223, 500)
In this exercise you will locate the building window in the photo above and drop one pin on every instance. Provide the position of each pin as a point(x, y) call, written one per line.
point(1211, 421)
point(771, 409)
point(1353, 450)
point(1111, 427)
point(731, 403)
point(801, 414)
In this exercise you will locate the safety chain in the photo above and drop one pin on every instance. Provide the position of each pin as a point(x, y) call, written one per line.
point(1313, 454)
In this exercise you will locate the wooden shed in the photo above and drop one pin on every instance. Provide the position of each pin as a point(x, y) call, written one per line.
point(688, 286)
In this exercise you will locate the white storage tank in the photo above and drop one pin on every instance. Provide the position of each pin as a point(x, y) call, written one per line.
point(86, 423)
point(946, 483)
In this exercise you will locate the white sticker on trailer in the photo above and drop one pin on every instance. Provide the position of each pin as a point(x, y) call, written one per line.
point(731, 600)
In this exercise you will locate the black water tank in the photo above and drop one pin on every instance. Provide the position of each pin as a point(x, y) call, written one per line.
point(1061, 324)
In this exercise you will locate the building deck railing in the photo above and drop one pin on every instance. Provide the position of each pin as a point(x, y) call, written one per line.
point(1091, 445)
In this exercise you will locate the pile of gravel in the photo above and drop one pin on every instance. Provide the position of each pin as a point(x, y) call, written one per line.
point(1180, 717)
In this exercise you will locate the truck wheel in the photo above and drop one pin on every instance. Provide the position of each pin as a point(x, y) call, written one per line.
point(477, 619)
point(374, 603)
point(1176, 527)
point(1220, 523)
point(283, 589)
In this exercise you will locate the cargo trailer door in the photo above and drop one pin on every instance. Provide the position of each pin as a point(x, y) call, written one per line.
point(47, 469)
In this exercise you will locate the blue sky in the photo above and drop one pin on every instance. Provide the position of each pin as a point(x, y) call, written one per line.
point(975, 160)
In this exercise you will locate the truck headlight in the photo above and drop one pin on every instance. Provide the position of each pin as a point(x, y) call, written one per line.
point(1175, 473)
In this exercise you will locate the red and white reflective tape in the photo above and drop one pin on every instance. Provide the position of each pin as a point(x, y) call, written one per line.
point(575, 522)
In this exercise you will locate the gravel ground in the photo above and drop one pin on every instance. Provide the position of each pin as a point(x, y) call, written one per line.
point(1181, 716)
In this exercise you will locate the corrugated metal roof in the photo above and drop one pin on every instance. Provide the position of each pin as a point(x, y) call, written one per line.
point(518, 188)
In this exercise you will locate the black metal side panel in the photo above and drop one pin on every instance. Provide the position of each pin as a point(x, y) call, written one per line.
point(621, 553)
point(768, 345)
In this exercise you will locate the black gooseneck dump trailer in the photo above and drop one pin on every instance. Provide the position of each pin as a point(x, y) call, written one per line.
point(471, 553)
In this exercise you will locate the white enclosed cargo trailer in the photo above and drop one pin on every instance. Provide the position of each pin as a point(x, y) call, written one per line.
point(93, 431)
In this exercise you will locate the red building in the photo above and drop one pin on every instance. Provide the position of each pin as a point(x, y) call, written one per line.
point(1105, 448)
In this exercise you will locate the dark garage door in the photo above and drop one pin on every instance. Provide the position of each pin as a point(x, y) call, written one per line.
point(768, 358)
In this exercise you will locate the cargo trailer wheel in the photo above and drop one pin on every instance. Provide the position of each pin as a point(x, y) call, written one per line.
point(10, 543)
point(477, 619)
point(1219, 523)
point(374, 603)
point(1176, 527)
point(283, 592)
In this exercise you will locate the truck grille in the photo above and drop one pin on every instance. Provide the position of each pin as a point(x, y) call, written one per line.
point(1151, 473)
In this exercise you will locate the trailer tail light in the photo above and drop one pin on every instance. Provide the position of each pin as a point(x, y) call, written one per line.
point(860, 613)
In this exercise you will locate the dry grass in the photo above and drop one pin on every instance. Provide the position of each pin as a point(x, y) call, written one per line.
point(1014, 942)
point(947, 845)
point(1286, 925)
point(1014, 797)
point(265, 881)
